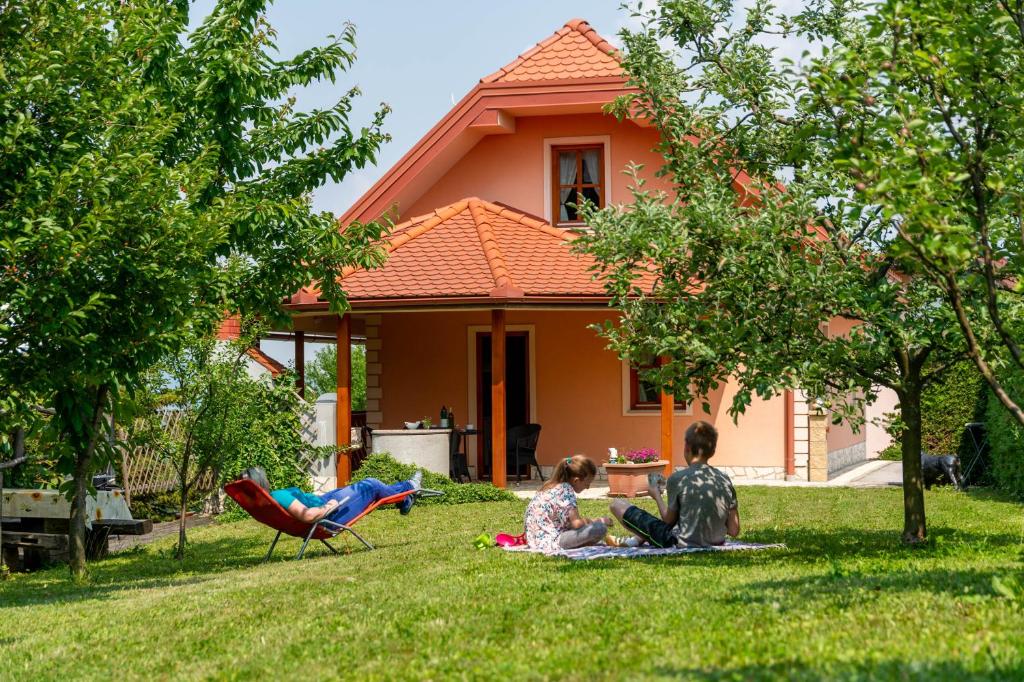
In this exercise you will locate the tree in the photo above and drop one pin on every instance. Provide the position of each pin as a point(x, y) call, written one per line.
point(198, 389)
point(747, 273)
point(209, 419)
point(322, 374)
point(151, 179)
point(932, 102)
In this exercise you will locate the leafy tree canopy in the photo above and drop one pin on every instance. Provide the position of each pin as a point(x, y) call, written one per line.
point(152, 178)
point(808, 284)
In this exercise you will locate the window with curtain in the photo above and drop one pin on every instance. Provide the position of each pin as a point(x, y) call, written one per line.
point(643, 394)
point(578, 175)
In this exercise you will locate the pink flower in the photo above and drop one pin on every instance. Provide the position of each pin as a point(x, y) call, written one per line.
point(642, 456)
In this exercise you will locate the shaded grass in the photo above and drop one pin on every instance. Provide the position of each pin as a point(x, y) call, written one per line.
point(842, 601)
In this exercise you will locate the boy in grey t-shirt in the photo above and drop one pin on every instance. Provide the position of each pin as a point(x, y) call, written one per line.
point(701, 508)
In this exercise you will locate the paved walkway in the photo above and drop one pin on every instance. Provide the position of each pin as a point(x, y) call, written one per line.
point(874, 473)
point(886, 475)
point(160, 530)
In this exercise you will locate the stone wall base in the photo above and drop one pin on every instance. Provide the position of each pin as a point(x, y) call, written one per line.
point(840, 459)
point(767, 473)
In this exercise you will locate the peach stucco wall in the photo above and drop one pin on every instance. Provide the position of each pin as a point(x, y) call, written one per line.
point(842, 435)
point(578, 391)
point(510, 168)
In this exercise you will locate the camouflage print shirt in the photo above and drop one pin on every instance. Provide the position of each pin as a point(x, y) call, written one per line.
point(703, 495)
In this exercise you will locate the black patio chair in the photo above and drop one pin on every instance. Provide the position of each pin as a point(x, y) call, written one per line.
point(521, 442)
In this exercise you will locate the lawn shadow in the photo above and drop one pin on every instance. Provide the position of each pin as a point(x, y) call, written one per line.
point(814, 546)
point(137, 568)
point(868, 670)
point(148, 567)
point(850, 587)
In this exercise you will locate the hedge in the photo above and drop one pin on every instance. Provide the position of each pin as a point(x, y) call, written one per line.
point(383, 467)
point(948, 405)
point(1006, 440)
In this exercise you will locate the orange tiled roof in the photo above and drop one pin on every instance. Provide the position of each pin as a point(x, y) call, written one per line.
point(268, 363)
point(475, 248)
point(574, 51)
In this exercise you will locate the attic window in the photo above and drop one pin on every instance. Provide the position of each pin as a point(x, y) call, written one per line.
point(577, 175)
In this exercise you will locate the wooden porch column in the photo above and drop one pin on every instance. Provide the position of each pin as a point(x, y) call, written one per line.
point(300, 363)
point(668, 404)
point(498, 456)
point(343, 421)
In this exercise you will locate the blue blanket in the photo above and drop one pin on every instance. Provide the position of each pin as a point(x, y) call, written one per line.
point(606, 552)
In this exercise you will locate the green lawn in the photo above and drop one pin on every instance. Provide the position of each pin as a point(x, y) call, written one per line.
point(843, 601)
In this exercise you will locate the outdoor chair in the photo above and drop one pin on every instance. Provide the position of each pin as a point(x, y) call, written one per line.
point(458, 468)
point(521, 442)
point(258, 503)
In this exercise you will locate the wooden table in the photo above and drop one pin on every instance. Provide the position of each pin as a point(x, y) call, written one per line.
point(36, 524)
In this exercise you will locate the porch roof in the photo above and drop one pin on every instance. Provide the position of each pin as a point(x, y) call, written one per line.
point(472, 251)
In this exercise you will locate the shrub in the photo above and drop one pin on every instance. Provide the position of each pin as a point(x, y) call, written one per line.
point(383, 466)
point(1006, 441)
point(948, 405)
point(946, 408)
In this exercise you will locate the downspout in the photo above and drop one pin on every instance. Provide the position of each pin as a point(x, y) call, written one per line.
point(787, 421)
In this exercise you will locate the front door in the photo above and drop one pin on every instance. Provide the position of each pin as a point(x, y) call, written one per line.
point(517, 393)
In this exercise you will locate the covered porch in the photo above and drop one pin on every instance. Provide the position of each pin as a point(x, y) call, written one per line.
point(488, 311)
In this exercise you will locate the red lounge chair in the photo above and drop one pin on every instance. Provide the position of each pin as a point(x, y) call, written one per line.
point(262, 507)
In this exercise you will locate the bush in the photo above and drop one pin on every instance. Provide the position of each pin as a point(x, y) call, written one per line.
point(1006, 442)
point(947, 406)
point(166, 505)
point(383, 467)
point(892, 453)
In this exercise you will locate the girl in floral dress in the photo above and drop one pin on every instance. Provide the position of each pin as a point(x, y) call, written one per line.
point(553, 521)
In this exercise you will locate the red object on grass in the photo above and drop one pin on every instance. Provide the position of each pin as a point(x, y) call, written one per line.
point(506, 540)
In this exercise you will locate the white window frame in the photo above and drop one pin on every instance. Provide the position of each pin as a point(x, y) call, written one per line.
point(549, 142)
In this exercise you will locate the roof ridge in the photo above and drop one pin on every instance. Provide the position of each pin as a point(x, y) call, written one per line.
point(503, 284)
point(415, 227)
point(573, 25)
point(529, 221)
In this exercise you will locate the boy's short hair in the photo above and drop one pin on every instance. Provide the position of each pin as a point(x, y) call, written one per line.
point(701, 439)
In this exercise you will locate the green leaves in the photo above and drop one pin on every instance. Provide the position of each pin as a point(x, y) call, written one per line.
point(150, 181)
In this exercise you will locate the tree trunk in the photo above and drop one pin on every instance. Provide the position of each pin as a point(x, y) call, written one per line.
point(82, 472)
point(913, 481)
point(179, 553)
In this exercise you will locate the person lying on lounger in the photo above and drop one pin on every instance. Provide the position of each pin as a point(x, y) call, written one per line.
point(340, 505)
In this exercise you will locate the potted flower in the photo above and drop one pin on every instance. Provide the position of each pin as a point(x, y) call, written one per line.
point(628, 476)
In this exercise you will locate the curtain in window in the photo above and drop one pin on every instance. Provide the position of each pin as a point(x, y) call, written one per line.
point(566, 176)
point(591, 172)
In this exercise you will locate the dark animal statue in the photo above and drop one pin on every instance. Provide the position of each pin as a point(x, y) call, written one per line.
point(940, 469)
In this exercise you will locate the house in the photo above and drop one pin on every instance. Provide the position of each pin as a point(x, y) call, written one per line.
point(483, 307)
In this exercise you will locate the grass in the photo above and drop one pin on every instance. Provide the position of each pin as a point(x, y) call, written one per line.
point(843, 601)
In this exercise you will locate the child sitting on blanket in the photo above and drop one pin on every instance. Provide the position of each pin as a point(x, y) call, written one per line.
point(553, 521)
point(701, 508)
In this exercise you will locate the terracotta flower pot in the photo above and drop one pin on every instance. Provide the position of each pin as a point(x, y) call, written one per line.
point(630, 480)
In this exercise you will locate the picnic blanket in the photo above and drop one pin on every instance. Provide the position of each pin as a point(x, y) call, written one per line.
point(606, 552)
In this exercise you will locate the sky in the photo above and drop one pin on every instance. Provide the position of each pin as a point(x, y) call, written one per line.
point(420, 57)
point(417, 56)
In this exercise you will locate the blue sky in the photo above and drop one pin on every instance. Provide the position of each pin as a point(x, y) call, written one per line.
point(417, 56)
